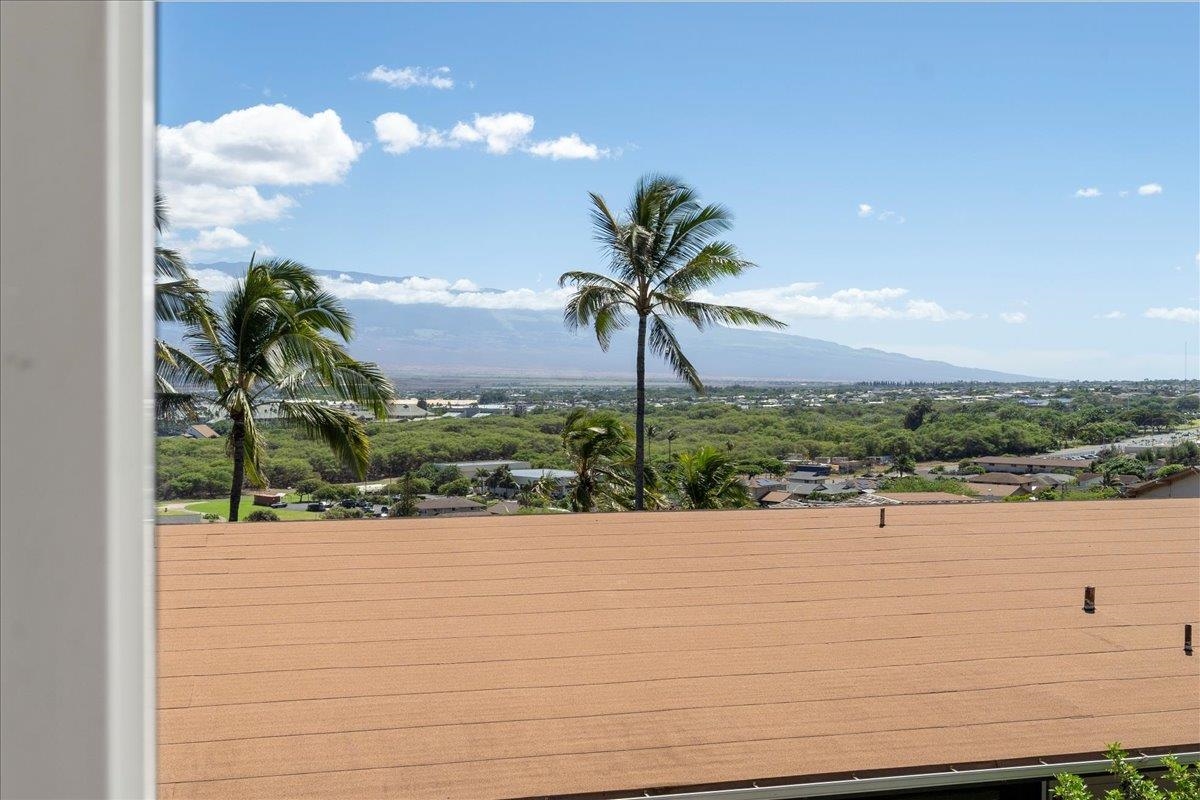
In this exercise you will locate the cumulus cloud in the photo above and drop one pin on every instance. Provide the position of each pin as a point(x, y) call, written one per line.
point(211, 243)
point(410, 77)
point(213, 280)
point(1088, 191)
point(461, 293)
point(205, 205)
point(1014, 317)
point(499, 134)
point(1177, 314)
point(397, 132)
point(211, 172)
point(272, 145)
point(864, 210)
point(1110, 315)
point(570, 146)
point(798, 301)
point(1148, 189)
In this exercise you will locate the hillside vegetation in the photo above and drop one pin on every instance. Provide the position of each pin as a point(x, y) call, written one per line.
point(756, 438)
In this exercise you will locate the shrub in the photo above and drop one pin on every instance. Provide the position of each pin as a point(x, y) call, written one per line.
point(1169, 469)
point(262, 515)
point(337, 512)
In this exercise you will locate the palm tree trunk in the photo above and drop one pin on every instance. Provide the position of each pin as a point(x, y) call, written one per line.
point(238, 442)
point(639, 426)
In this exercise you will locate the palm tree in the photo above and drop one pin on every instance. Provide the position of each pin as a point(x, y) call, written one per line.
point(660, 251)
point(275, 339)
point(670, 437)
point(707, 478)
point(178, 298)
point(597, 443)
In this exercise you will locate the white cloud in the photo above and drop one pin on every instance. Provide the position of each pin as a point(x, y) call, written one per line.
point(1014, 317)
point(397, 132)
point(209, 243)
point(1178, 314)
point(793, 302)
point(567, 147)
point(864, 210)
point(273, 145)
point(1110, 315)
point(211, 172)
point(204, 205)
point(500, 134)
point(798, 301)
point(461, 293)
point(409, 77)
point(1089, 191)
point(1146, 190)
point(220, 238)
point(214, 280)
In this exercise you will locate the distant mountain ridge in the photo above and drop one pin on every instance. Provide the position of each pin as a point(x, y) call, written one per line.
point(450, 340)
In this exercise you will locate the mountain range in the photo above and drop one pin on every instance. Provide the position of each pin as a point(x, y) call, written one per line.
point(434, 339)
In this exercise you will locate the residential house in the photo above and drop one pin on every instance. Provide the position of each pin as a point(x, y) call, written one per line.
point(469, 469)
point(760, 485)
point(1030, 464)
point(1181, 484)
point(405, 409)
point(526, 478)
point(201, 431)
point(438, 506)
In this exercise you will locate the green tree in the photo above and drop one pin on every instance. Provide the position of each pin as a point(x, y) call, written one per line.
point(917, 413)
point(597, 443)
point(406, 503)
point(660, 252)
point(309, 486)
point(1132, 785)
point(276, 339)
point(459, 487)
point(707, 478)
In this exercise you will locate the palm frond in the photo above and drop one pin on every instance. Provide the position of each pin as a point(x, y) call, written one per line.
point(663, 343)
point(341, 432)
point(704, 315)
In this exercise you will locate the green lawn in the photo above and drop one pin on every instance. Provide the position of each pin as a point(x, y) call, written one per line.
point(221, 508)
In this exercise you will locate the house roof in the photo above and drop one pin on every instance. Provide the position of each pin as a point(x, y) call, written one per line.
point(1141, 488)
point(202, 431)
point(1006, 478)
point(592, 653)
point(926, 497)
point(1036, 461)
point(775, 497)
point(993, 489)
point(431, 503)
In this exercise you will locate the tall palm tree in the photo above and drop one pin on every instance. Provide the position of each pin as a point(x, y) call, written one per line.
point(670, 437)
point(660, 251)
point(707, 478)
point(277, 338)
point(597, 443)
point(178, 298)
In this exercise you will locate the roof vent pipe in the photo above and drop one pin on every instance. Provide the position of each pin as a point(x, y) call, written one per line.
point(882, 521)
point(1089, 599)
point(1187, 639)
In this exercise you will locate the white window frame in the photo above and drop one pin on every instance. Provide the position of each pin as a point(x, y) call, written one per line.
point(77, 636)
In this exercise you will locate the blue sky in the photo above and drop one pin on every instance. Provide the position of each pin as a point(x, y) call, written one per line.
point(1005, 186)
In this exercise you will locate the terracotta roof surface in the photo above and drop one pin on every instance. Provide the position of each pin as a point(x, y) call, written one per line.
point(549, 655)
point(928, 497)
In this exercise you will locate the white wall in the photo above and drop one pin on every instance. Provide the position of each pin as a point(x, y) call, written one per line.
point(76, 630)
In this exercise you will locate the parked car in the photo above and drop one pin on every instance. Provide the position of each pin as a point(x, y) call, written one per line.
point(280, 504)
point(316, 507)
point(349, 502)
